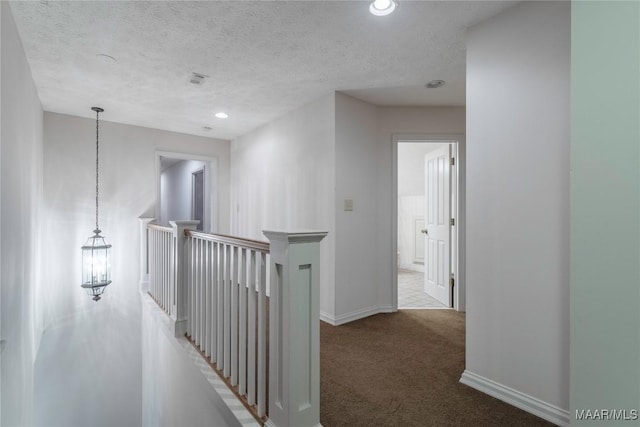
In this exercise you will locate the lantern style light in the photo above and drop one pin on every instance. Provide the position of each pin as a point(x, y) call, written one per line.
point(96, 252)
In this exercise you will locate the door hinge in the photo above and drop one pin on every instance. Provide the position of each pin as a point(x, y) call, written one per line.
point(452, 222)
point(452, 161)
point(451, 282)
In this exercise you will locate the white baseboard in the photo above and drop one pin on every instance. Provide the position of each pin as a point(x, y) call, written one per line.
point(516, 398)
point(270, 423)
point(387, 309)
point(354, 315)
point(327, 318)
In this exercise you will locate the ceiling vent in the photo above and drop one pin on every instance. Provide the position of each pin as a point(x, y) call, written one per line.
point(433, 84)
point(197, 79)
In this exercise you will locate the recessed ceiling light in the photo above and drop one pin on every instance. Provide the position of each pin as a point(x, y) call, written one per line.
point(222, 115)
point(435, 83)
point(382, 7)
point(106, 59)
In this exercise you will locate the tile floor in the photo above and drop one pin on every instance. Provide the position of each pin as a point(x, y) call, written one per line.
point(411, 293)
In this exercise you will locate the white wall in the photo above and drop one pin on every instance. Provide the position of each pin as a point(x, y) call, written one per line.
point(21, 181)
point(356, 268)
point(176, 190)
point(518, 117)
point(411, 178)
point(89, 373)
point(283, 177)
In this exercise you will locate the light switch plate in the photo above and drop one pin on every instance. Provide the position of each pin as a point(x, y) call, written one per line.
point(348, 205)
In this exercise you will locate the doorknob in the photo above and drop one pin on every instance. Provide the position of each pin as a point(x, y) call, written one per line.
point(425, 231)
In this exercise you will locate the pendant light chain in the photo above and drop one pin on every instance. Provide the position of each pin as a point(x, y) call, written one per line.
point(96, 252)
point(97, 168)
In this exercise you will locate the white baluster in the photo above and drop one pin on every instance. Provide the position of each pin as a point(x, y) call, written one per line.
point(167, 270)
point(203, 299)
point(214, 302)
point(163, 274)
point(152, 253)
point(152, 264)
point(189, 278)
point(234, 317)
point(196, 261)
point(192, 287)
point(207, 304)
point(227, 311)
point(251, 333)
point(242, 325)
point(157, 295)
point(220, 310)
point(262, 335)
point(171, 298)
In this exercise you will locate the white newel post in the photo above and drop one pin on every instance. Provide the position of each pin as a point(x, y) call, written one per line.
point(144, 254)
point(294, 329)
point(178, 290)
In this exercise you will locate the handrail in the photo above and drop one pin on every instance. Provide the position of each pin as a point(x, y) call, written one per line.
point(159, 227)
point(255, 245)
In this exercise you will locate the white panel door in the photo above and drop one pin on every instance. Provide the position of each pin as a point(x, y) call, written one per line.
point(437, 227)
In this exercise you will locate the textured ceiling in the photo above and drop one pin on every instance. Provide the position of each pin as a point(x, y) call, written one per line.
point(263, 58)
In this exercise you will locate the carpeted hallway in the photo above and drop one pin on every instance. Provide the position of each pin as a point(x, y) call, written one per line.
point(402, 369)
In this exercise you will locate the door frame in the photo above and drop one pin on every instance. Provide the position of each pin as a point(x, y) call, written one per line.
point(458, 237)
point(210, 184)
point(194, 174)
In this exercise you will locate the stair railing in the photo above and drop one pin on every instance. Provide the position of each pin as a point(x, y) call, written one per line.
point(264, 343)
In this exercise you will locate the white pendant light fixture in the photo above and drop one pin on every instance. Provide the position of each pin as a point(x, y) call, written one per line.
point(96, 252)
point(383, 7)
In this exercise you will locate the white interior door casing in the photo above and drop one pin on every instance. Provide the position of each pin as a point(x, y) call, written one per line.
point(437, 224)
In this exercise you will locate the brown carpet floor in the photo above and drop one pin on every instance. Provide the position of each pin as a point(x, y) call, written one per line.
point(403, 369)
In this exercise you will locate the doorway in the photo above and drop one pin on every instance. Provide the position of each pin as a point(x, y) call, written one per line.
point(197, 197)
point(186, 189)
point(429, 222)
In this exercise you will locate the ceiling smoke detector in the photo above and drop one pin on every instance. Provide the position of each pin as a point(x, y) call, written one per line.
point(197, 78)
point(435, 83)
